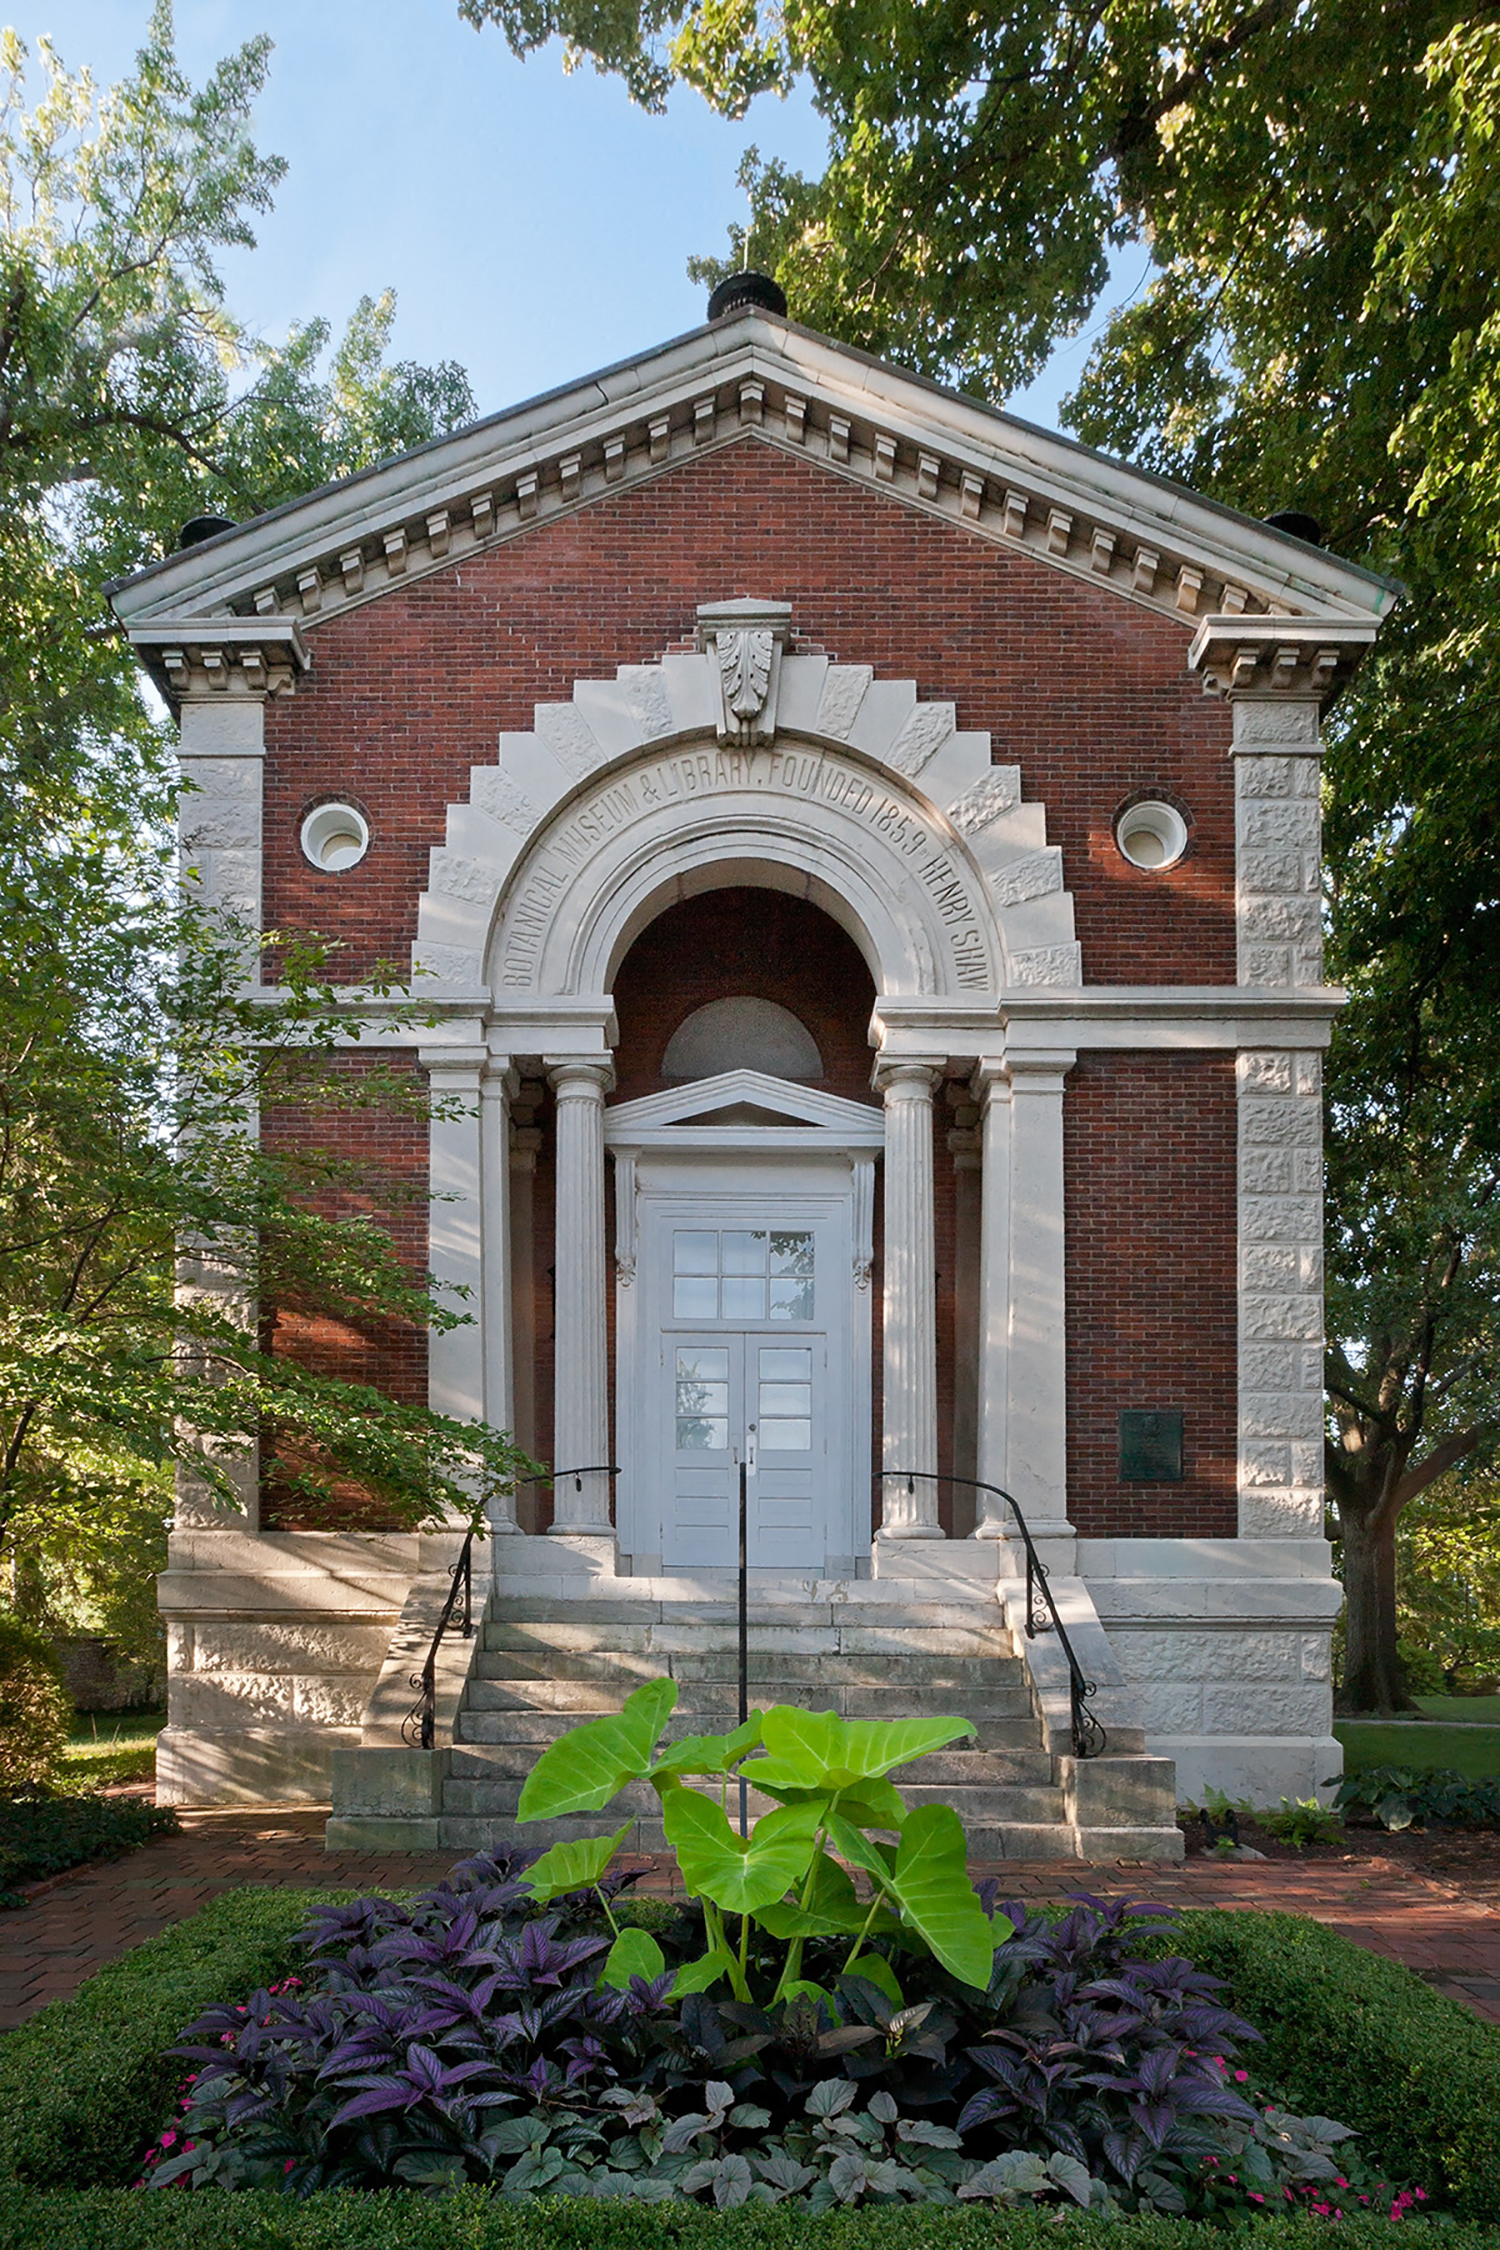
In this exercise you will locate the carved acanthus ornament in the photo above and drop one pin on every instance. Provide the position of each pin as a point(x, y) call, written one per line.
point(746, 638)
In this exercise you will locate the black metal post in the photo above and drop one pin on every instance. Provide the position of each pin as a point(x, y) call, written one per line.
point(744, 1638)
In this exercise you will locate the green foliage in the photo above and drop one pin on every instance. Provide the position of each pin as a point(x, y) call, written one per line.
point(108, 1748)
point(1302, 1821)
point(1472, 1751)
point(1309, 193)
point(474, 2219)
point(1410, 1796)
point(1448, 1584)
point(830, 1772)
point(85, 2082)
point(1416, 2074)
point(41, 1836)
point(35, 1707)
point(131, 1061)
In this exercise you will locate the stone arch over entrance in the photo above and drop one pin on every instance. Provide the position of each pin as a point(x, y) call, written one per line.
point(744, 763)
point(747, 761)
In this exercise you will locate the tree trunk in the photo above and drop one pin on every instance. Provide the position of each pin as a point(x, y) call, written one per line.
point(1372, 1670)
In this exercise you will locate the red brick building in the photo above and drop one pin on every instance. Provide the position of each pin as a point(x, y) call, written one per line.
point(863, 854)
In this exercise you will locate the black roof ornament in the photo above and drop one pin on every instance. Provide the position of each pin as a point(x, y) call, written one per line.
point(745, 292)
point(1297, 526)
point(199, 528)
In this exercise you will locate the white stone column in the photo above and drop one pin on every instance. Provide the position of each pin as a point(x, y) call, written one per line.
point(1278, 847)
point(495, 1088)
point(525, 1143)
point(221, 756)
point(580, 1425)
point(968, 1191)
point(992, 1519)
point(455, 1229)
point(909, 1333)
point(1036, 1373)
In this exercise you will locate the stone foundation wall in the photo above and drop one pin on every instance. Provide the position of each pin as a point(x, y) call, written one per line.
point(1226, 1644)
point(274, 1644)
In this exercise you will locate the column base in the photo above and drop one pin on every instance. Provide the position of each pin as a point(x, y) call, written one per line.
point(912, 1531)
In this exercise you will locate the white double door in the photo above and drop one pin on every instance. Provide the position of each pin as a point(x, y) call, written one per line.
point(749, 1356)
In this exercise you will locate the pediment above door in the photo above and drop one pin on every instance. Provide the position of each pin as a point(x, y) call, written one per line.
point(745, 1109)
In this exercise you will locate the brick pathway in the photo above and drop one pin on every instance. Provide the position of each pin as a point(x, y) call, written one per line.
point(79, 1921)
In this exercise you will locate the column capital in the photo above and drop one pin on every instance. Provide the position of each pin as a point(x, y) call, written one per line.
point(456, 1063)
point(499, 1079)
point(1279, 658)
point(580, 1075)
point(909, 1073)
point(1042, 1072)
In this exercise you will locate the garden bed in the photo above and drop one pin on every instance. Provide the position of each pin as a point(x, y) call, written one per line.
point(46, 1835)
point(85, 2084)
point(834, 2018)
point(471, 2220)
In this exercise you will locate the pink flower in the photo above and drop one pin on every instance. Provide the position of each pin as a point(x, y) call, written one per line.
point(167, 2139)
point(1254, 2198)
point(1242, 2076)
point(288, 2164)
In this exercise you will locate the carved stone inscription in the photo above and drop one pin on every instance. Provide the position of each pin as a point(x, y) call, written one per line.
point(684, 777)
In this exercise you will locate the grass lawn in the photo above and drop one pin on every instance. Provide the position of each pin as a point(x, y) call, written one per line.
point(1471, 1748)
point(109, 1746)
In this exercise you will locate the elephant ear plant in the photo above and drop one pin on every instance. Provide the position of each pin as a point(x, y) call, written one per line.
point(829, 1780)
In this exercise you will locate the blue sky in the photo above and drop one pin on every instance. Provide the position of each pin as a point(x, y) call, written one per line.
point(533, 225)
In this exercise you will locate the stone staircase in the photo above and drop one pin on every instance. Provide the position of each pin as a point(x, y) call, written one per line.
point(540, 1671)
point(543, 1659)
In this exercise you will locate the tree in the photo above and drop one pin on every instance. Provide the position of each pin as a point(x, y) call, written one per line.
point(1313, 189)
point(132, 1063)
point(1450, 1582)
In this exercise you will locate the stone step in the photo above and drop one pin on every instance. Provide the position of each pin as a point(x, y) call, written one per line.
point(714, 1708)
point(1018, 1839)
point(898, 1669)
point(986, 1806)
point(542, 1614)
point(484, 1722)
point(1007, 1765)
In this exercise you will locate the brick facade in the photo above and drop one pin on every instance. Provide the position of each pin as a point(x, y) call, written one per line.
point(1086, 692)
point(1150, 1168)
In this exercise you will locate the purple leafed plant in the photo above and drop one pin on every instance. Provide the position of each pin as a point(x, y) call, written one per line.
point(469, 2036)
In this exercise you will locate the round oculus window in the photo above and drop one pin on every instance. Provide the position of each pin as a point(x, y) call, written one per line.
point(1151, 835)
point(335, 837)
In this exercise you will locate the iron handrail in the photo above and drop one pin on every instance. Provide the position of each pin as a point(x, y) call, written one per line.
point(1089, 1737)
point(419, 1727)
point(422, 1717)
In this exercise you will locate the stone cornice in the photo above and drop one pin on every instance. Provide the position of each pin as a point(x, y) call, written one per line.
point(1099, 520)
point(1278, 657)
point(222, 656)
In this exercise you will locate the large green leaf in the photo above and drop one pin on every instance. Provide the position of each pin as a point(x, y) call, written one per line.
point(635, 1953)
point(819, 1750)
point(709, 1753)
point(739, 1874)
point(830, 1909)
point(593, 1762)
point(929, 1878)
point(573, 1866)
point(873, 1803)
point(708, 1970)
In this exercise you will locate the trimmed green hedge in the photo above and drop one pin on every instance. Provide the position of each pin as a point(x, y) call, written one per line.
point(42, 1836)
point(472, 2220)
point(84, 2083)
point(1354, 2036)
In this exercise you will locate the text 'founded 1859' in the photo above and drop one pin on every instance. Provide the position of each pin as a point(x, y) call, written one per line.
point(685, 777)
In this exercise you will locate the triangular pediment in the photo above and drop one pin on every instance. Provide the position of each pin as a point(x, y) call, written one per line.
point(995, 476)
point(746, 1100)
